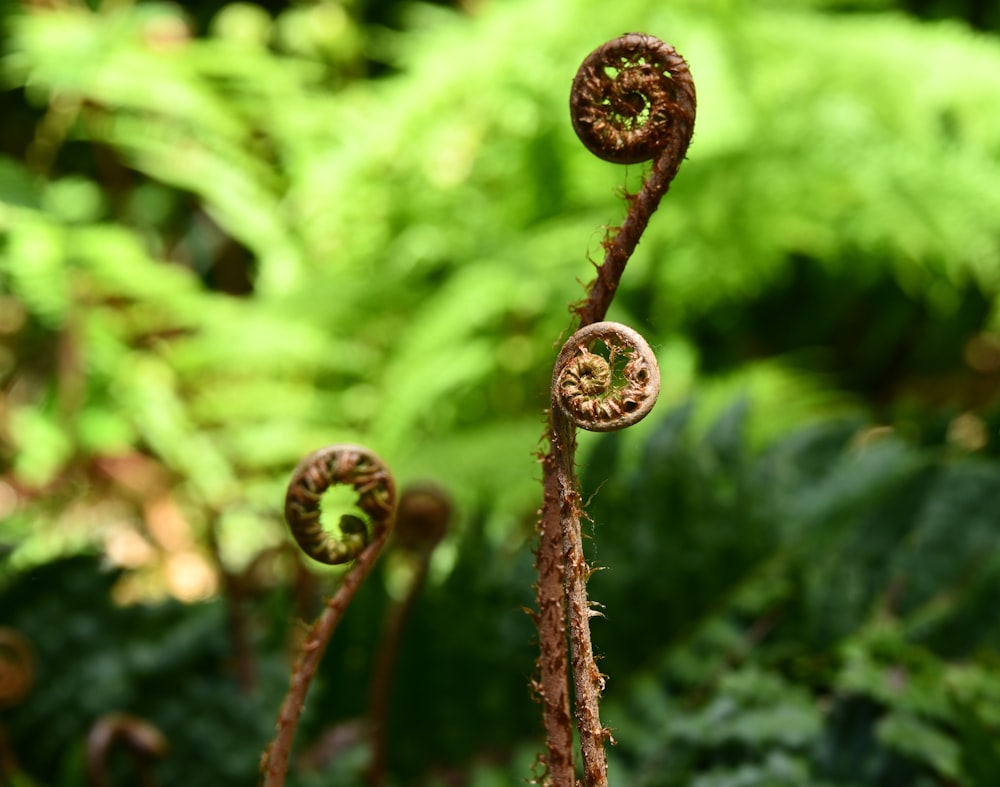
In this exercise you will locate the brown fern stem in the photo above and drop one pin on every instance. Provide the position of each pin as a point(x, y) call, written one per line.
point(379, 695)
point(234, 594)
point(276, 758)
point(587, 681)
point(623, 244)
point(552, 687)
point(17, 667)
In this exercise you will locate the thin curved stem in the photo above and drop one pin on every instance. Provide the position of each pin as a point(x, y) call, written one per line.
point(344, 464)
point(620, 248)
point(276, 757)
point(381, 684)
point(422, 518)
point(234, 595)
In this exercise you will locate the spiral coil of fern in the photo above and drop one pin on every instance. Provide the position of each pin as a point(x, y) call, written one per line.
point(632, 100)
point(347, 465)
point(627, 97)
point(606, 394)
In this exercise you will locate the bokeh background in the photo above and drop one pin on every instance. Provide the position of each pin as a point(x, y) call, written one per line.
point(231, 233)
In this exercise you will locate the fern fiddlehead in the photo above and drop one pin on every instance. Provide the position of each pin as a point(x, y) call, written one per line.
point(347, 465)
point(606, 394)
point(627, 97)
point(632, 99)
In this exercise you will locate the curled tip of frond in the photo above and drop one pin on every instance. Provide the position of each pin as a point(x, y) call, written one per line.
point(633, 98)
point(603, 393)
point(141, 739)
point(342, 464)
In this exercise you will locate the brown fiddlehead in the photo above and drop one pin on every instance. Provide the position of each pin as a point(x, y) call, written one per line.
point(347, 465)
point(605, 393)
point(632, 99)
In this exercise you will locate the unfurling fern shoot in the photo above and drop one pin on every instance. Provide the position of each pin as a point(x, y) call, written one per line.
point(347, 465)
point(632, 100)
point(606, 394)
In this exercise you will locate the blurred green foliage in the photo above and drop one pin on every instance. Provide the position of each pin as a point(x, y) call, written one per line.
point(232, 235)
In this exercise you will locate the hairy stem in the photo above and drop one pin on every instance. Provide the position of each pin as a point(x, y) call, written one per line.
point(553, 663)
point(587, 680)
point(620, 248)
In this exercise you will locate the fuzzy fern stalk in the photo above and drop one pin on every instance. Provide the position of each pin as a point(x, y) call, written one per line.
point(632, 100)
point(341, 464)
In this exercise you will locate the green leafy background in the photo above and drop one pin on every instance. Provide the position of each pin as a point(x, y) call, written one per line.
point(230, 234)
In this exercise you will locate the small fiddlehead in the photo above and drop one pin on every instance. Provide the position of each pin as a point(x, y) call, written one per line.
point(424, 511)
point(605, 394)
point(348, 465)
